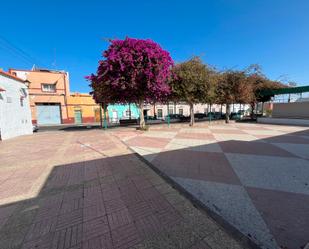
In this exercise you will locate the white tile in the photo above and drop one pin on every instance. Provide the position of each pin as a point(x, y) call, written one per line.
point(269, 172)
point(233, 204)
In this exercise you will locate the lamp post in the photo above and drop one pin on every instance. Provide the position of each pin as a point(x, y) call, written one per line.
point(27, 83)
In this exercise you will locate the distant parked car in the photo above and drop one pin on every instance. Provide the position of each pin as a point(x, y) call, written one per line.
point(174, 116)
point(210, 115)
point(237, 115)
point(150, 118)
point(184, 118)
point(35, 128)
point(219, 115)
point(199, 115)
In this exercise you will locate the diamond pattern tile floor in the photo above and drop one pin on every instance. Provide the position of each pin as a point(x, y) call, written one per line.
point(246, 173)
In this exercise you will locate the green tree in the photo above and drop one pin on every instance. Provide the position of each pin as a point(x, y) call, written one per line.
point(193, 82)
point(231, 88)
point(258, 83)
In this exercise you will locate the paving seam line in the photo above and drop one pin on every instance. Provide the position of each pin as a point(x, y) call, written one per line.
point(227, 227)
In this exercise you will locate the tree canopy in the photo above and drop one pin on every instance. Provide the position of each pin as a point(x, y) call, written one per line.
point(193, 82)
point(232, 88)
point(132, 71)
point(140, 71)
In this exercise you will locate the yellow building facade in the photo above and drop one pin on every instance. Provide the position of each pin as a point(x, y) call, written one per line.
point(82, 109)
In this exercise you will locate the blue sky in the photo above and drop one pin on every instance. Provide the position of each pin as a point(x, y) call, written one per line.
point(71, 35)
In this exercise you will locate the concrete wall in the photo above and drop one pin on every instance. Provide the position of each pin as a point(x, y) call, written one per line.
point(291, 110)
point(284, 121)
point(15, 115)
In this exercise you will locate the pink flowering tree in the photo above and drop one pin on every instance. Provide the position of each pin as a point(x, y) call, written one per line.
point(132, 71)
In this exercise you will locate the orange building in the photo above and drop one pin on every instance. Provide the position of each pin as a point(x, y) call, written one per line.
point(83, 109)
point(48, 91)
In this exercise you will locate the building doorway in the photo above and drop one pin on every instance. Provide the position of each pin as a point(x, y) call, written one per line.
point(78, 116)
point(48, 113)
point(115, 116)
point(97, 115)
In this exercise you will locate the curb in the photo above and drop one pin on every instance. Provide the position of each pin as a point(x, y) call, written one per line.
point(230, 230)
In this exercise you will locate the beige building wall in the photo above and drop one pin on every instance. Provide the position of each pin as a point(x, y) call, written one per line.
point(181, 108)
point(291, 110)
point(84, 103)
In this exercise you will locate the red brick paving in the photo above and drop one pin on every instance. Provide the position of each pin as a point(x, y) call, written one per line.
point(175, 163)
point(79, 198)
point(284, 139)
point(292, 232)
point(254, 148)
point(148, 142)
point(227, 131)
point(199, 136)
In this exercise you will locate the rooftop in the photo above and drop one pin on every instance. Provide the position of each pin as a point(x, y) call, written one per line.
point(9, 75)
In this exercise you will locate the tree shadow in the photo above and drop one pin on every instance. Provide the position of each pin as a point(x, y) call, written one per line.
point(111, 202)
point(244, 187)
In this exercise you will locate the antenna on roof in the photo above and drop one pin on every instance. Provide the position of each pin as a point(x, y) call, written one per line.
point(54, 61)
point(34, 68)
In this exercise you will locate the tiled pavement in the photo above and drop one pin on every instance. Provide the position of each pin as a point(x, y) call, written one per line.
point(86, 190)
point(254, 176)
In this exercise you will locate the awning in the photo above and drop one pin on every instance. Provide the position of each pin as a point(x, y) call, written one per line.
point(289, 90)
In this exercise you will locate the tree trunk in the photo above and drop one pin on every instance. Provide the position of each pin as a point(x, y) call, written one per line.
point(101, 121)
point(262, 109)
point(252, 110)
point(130, 111)
point(191, 115)
point(105, 121)
point(227, 113)
point(141, 115)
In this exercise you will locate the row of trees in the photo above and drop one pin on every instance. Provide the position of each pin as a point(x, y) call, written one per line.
point(139, 71)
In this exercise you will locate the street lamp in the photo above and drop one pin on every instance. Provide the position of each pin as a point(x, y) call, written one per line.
point(27, 83)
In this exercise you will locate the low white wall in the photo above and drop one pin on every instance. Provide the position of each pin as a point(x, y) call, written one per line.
point(15, 118)
point(285, 121)
point(293, 110)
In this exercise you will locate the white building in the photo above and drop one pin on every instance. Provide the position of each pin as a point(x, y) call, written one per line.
point(15, 114)
point(162, 110)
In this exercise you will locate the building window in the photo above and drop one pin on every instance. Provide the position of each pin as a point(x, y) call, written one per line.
point(21, 101)
point(180, 111)
point(128, 113)
point(170, 111)
point(49, 87)
point(9, 99)
point(160, 113)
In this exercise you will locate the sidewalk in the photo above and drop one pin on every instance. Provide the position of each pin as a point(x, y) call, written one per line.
point(86, 190)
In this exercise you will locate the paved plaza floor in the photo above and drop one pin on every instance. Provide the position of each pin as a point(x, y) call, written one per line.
point(87, 190)
point(254, 176)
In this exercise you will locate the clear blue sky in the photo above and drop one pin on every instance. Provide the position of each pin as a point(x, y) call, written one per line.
point(226, 33)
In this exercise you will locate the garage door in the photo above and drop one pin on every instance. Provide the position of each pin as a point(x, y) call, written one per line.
point(48, 114)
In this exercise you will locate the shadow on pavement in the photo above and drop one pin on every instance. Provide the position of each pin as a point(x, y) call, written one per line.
point(259, 188)
point(254, 188)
